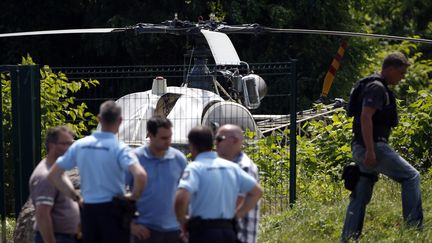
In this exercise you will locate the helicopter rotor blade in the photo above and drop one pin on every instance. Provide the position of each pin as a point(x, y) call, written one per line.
point(257, 29)
point(62, 32)
point(144, 28)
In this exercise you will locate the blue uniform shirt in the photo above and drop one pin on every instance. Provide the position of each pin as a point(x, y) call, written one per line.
point(156, 204)
point(102, 161)
point(214, 185)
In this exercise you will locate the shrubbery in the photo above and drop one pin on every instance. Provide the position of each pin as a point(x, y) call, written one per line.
point(323, 147)
point(58, 107)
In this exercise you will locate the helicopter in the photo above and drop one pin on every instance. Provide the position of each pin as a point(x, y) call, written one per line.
point(206, 97)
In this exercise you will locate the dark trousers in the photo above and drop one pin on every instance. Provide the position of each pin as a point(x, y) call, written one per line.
point(211, 231)
point(160, 237)
point(212, 236)
point(101, 223)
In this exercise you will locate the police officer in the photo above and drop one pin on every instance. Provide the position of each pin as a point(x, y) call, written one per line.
point(371, 151)
point(229, 141)
point(210, 185)
point(164, 165)
point(102, 162)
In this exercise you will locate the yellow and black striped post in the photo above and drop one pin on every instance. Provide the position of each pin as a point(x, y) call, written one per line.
point(328, 80)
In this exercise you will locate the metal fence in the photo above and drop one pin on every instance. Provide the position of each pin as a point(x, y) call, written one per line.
point(132, 87)
point(23, 146)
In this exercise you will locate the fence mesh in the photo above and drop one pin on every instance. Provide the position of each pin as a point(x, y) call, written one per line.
point(141, 97)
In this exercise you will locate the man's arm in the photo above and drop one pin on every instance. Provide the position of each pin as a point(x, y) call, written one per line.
point(181, 205)
point(140, 180)
point(56, 177)
point(367, 134)
point(250, 201)
point(44, 223)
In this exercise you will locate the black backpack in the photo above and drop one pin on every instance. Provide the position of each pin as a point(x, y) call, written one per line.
point(354, 106)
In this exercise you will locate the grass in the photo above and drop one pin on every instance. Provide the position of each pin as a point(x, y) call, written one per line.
point(320, 218)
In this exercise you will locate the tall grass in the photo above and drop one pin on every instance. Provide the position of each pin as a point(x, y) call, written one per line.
point(313, 219)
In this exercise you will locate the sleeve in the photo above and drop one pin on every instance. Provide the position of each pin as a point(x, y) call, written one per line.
point(374, 96)
point(44, 193)
point(68, 161)
point(189, 179)
point(129, 177)
point(247, 182)
point(126, 156)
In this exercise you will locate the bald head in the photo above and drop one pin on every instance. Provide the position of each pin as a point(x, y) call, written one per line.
point(229, 139)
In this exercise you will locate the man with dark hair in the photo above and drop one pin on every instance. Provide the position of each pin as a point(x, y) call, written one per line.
point(164, 165)
point(229, 141)
point(372, 153)
point(102, 161)
point(57, 216)
point(209, 187)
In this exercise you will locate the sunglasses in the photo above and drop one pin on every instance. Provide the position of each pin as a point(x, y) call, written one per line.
point(220, 138)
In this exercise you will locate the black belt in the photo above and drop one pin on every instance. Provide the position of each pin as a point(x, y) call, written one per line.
point(198, 223)
point(359, 140)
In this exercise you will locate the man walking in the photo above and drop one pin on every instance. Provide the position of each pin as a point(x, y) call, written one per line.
point(375, 116)
point(210, 186)
point(229, 140)
point(164, 165)
point(102, 161)
point(57, 216)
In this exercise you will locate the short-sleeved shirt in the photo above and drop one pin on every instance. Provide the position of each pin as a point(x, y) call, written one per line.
point(376, 95)
point(64, 212)
point(102, 161)
point(156, 204)
point(248, 225)
point(214, 185)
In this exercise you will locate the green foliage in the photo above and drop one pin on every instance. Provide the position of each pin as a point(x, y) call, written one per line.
point(312, 220)
point(323, 147)
point(58, 107)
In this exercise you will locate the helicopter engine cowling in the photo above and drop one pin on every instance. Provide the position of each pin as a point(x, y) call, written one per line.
point(254, 89)
point(226, 112)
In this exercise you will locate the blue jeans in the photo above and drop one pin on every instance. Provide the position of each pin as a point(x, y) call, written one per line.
point(395, 167)
point(60, 238)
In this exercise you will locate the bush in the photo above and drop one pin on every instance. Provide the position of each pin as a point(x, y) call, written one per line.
point(58, 107)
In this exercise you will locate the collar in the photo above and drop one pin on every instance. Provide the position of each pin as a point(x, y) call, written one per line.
point(238, 158)
point(103, 134)
point(205, 156)
point(169, 154)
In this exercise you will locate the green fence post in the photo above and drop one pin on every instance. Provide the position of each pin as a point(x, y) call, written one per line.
point(293, 135)
point(2, 168)
point(26, 126)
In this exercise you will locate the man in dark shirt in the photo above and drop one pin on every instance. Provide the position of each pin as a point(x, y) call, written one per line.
point(372, 153)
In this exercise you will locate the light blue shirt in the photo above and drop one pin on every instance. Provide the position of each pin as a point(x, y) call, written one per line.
point(214, 185)
point(102, 161)
point(156, 204)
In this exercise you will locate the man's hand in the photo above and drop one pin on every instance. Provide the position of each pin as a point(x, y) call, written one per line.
point(140, 231)
point(184, 234)
point(370, 158)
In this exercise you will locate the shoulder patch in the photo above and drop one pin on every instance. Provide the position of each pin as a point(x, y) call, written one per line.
point(185, 175)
